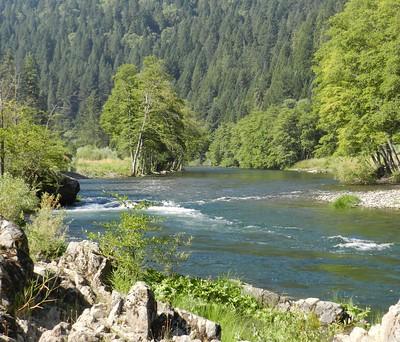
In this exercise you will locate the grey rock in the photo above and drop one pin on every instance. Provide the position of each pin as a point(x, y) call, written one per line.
point(58, 334)
point(141, 310)
point(387, 331)
point(200, 328)
point(16, 267)
point(88, 268)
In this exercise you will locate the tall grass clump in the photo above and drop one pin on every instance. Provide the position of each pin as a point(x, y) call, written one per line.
point(16, 198)
point(90, 152)
point(346, 202)
point(355, 171)
point(47, 230)
point(240, 316)
point(395, 177)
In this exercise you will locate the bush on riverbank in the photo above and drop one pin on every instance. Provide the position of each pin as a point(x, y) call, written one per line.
point(47, 231)
point(347, 170)
point(346, 202)
point(354, 171)
point(90, 152)
point(240, 316)
point(16, 198)
point(104, 168)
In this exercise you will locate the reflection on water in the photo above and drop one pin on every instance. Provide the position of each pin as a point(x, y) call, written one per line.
point(264, 227)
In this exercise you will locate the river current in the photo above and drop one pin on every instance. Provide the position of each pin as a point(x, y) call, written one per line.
point(265, 228)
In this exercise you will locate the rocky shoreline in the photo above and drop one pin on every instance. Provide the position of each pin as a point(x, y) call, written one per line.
point(380, 199)
point(72, 302)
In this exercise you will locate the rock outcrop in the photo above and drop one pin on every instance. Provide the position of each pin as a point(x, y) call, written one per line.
point(387, 331)
point(81, 306)
point(327, 312)
point(16, 267)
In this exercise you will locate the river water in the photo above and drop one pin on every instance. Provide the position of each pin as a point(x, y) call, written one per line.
point(265, 228)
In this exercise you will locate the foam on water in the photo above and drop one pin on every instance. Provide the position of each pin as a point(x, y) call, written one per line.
point(359, 244)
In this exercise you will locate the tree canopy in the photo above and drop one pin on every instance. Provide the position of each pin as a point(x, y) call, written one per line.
point(146, 119)
point(357, 88)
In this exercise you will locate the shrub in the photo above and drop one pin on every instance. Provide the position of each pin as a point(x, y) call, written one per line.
point(94, 153)
point(395, 177)
point(47, 231)
point(346, 201)
point(132, 246)
point(16, 198)
point(240, 316)
point(354, 171)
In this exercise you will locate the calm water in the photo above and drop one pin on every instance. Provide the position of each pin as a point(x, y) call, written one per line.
point(264, 227)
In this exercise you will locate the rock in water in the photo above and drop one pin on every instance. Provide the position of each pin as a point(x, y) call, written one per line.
point(16, 267)
point(65, 186)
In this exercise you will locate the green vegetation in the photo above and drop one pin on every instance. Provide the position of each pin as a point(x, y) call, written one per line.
point(276, 138)
point(105, 168)
point(346, 201)
point(240, 316)
point(145, 119)
point(28, 148)
point(47, 231)
point(132, 245)
point(357, 83)
point(16, 198)
point(226, 57)
point(95, 153)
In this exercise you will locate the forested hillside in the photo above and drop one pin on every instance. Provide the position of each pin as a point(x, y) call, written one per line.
point(227, 57)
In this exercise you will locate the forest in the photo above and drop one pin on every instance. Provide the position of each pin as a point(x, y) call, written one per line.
point(303, 79)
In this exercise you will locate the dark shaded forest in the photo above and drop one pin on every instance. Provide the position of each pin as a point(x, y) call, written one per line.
point(226, 57)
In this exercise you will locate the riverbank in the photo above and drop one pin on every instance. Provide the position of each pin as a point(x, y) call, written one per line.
point(379, 199)
point(103, 168)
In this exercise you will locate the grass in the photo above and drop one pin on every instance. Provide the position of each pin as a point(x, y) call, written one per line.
point(240, 316)
point(346, 202)
point(47, 231)
point(320, 165)
point(347, 170)
point(107, 168)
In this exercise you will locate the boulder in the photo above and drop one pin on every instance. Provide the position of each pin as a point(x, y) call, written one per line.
point(58, 334)
point(87, 268)
point(16, 267)
point(387, 331)
point(65, 186)
point(141, 310)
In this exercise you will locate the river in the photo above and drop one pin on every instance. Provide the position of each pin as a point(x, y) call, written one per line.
point(265, 228)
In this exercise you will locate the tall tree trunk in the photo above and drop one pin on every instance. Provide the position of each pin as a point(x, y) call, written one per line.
point(2, 143)
point(139, 144)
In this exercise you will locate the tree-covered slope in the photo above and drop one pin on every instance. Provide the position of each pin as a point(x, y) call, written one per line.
point(227, 56)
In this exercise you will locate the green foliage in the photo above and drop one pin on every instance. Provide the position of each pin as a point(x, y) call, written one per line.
point(145, 119)
point(358, 79)
point(226, 57)
point(273, 139)
point(240, 315)
point(346, 202)
point(36, 294)
point(16, 198)
point(395, 178)
point(132, 245)
point(354, 171)
point(47, 231)
point(91, 152)
point(104, 168)
point(34, 153)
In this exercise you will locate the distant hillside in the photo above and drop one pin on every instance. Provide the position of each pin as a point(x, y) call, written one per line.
point(227, 56)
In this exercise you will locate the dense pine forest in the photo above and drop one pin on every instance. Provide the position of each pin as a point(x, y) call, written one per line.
point(303, 79)
point(226, 57)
